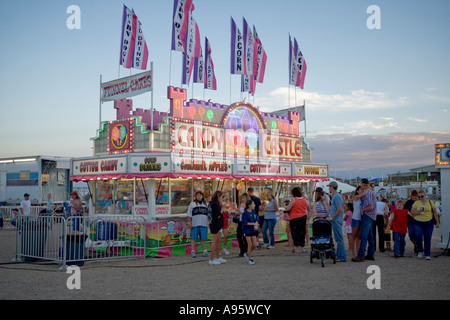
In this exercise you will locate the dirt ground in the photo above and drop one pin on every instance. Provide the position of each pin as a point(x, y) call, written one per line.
point(277, 274)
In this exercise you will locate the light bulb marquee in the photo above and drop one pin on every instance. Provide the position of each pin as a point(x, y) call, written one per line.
point(237, 131)
point(121, 136)
point(442, 154)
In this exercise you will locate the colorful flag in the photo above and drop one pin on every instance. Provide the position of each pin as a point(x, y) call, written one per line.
point(210, 79)
point(293, 71)
point(192, 39)
point(188, 65)
point(133, 47)
point(298, 61)
point(300, 65)
point(245, 83)
point(140, 56)
point(259, 58)
point(237, 50)
point(302, 78)
point(193, 49)
point(127, 44)
point(199, 69)
point(248, 84)
point(249, 48)
point(181, 9)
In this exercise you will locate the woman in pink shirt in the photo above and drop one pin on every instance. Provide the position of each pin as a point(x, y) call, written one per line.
point(298, 212)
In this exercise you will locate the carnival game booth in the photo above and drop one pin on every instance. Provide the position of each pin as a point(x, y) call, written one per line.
point(151, 165)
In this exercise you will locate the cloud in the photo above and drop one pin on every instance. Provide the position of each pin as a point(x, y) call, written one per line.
point(417, 120)
point(356, 100)
point(352, 153)
point(358, 126)
point(439, 99)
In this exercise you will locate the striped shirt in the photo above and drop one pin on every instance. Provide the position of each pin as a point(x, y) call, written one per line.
point(321, 209)
point(370, 199)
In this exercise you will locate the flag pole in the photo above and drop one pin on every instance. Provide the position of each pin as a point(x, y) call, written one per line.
point(170, 66)
point(289, 73)
point(151, 106)
point(304, 111)
point(231, 43)
point(295, 96)
point(289, 96)
point(100, 105)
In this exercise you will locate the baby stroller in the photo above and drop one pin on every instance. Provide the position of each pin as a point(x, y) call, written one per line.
point(322, 246)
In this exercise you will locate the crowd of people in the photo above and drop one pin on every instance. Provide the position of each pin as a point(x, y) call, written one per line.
point(363, 219)
point(75, 207)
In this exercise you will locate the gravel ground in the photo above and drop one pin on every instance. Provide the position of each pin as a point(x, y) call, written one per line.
point(277, 275)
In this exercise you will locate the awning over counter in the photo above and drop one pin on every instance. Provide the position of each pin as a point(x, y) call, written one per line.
point(166, 165)
point(161, 175)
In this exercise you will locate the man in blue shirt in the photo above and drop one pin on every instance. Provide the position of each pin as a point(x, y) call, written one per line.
point(368, 216)
point(336, 217)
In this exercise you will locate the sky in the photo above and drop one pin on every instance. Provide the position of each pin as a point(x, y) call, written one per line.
point(377, 100)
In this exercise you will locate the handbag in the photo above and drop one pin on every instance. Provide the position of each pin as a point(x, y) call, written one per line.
point(432, 213)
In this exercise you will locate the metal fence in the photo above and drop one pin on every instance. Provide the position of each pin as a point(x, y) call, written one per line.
point(8, 214)
point(75, 240)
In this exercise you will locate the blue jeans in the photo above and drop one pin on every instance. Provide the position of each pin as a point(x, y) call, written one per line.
point(423, 232)
point(269, 224)
point(411, 230)
point(399, 243)
point(337, 231)
point(366, 237)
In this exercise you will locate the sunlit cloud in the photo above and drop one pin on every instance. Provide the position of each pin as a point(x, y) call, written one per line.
point(355, 153)
point(417, 120)
point(355, 100)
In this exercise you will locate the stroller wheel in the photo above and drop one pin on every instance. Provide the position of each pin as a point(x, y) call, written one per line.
point(311, 256)
point(322, 259)
point(333, 256)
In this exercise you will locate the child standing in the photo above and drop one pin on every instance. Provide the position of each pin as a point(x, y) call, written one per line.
point(387, 234)
point(399, 223)
point(250, 228)
point(348, 224)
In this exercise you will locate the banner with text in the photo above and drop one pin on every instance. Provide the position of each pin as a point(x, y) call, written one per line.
point(127, 87)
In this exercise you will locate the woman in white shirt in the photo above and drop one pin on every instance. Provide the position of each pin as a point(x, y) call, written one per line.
point(355, 239)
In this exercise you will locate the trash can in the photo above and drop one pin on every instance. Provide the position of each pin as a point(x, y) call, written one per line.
point(75, 249)
point(33, 238)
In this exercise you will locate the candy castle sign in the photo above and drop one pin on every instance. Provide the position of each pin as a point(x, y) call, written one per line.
point(236, 131)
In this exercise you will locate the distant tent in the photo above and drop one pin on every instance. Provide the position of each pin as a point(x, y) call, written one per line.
point(342, 187)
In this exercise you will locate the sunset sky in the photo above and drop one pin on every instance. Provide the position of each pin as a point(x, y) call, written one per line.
point(377, 100)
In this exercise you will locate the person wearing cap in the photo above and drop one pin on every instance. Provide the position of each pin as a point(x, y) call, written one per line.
point(336, 218)
point(15, 216)
point(25, 205)
point(368, 216)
